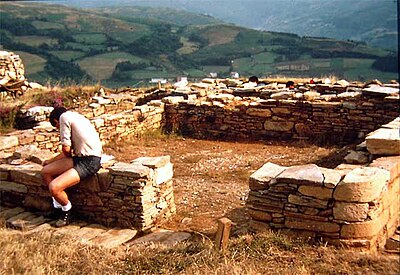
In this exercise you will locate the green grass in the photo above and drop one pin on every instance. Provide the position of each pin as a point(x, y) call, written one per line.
point(102, 66)
point(33, 63)
point(36, 41)
point(68, 55)
point(85, 48)
point(44, 25)
point(90, 38)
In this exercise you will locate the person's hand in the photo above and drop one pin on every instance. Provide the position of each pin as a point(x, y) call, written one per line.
point(45, 162)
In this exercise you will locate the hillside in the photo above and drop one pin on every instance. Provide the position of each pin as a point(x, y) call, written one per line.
point(130, 46)
point(371, 21)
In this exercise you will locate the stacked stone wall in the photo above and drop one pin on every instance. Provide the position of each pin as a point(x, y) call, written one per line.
point(111, 125)
point(351, 205)
point(137, 194)
point(317, 121)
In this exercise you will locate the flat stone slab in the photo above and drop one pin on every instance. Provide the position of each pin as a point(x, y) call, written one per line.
point(8, 213)
point(89, 232)
point(384, 141)
point(70, 229)
point(164, 237)
point(309, 174)
point(29, 222)
point(394, 124)
point(136, 170)
point(391, 164)
point(7, 142)
point(380, 90)
point(42, 155)
point(362, 185)
point(263, 177)
point(20, 217)
point(114, 237)
point(153, 162)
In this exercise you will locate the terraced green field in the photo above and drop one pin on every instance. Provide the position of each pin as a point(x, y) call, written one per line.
point(102, 66)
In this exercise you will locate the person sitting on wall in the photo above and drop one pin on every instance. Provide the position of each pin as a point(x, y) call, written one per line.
point(80, 158)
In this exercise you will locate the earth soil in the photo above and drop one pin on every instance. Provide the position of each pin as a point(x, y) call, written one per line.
point(211, 177)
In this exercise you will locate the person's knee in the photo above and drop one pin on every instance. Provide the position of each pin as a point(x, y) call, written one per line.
point(55, 189)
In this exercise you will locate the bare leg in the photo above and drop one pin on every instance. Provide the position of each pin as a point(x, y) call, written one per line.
point(59, 184)
point(56, 168)
point(59, 175)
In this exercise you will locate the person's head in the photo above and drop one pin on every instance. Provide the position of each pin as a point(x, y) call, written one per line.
point(55, 115)
point(290, 84)
point(253, 79)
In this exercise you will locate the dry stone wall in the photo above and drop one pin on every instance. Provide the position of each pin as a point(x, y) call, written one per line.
point(344, 205)
point(226, 116)
point(352, 205)
point(137, 194)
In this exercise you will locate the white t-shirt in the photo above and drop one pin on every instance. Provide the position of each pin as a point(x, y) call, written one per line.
point(77, 132)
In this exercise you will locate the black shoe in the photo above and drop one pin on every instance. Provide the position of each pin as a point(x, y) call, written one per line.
point(64, 219)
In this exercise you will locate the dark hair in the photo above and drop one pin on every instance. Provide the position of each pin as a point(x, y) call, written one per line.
point(55, 115)
point(253, 79)
point(289, 84)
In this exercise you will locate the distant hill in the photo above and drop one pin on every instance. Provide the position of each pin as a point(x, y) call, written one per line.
point(371, 21)
point(131, 45)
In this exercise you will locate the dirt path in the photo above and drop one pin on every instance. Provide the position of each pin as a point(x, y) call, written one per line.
point(211, 177)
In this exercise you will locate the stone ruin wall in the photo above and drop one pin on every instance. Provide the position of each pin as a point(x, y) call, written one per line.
point(137, 194)
point(11, 66)
point(319, 121)
point(118, 190)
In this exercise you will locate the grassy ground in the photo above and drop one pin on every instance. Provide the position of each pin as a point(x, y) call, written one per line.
point(266, 253)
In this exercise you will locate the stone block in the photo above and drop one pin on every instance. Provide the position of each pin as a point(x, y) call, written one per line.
point(331, 177)
point(350, 212)
point(39, 203)
point(134, 170)
point(258, 226)
point(279, 126)
point(391, 164)
point(90, 184)
point(345, 168)
point(307, 201)
point(260, 215)
point(362, 185)
point(93, 200)
point(318, 192)
point(365, 229)
point(26, 151)
point(263, 177)
point(7, 142)
point(163, 174)
point(309, 174)
point(104, 179)
point(259, 112)
point(326, 227)
point(356, 157)
point(40, 156)
point(8, 186)
point(384, 142)
point(28, 174)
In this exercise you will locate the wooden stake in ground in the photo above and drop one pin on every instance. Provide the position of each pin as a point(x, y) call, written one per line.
point(222, 237)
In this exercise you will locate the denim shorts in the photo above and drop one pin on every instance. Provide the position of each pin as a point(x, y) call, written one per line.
point(86, 166)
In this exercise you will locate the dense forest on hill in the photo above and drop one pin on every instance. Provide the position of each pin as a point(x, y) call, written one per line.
point(115, 47)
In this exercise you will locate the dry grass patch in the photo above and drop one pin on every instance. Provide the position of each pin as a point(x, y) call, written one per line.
point(266, 253)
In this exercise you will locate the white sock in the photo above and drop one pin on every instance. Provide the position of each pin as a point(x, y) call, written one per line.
point(56, 204)
point(67, 207)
